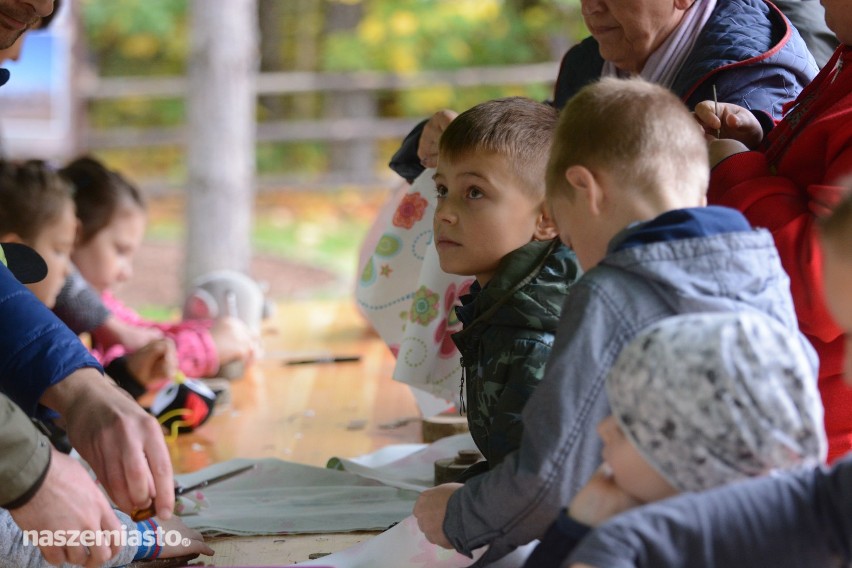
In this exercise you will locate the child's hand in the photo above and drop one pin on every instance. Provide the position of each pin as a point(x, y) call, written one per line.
point(427, 149)
point(430, 509)
point(115, 331)
point(724, 148)
point(196, 541)
point(156, 361)
point(234, 341)
point(600, 499)
point(734, 121)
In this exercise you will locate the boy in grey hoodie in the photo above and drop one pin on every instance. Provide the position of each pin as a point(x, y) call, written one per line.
point(626, 180)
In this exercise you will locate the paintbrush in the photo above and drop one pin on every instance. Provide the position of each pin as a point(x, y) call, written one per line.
point(716, 110)
point(147, 513)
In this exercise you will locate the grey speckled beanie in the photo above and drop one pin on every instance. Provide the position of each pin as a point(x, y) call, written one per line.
point(716, 397)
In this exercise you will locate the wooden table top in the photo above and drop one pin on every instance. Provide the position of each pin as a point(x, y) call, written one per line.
point(305, 414)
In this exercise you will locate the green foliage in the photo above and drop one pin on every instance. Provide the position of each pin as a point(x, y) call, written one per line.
point(137, 37)
point(151, 38)
point(407, 36)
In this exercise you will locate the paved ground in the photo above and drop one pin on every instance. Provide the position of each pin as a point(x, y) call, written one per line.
point(159, 269)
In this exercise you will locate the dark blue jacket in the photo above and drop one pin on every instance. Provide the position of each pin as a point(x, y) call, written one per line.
point(747, 48)
point(36, 349)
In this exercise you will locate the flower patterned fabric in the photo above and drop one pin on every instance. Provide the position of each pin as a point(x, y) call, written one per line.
point(409, 300)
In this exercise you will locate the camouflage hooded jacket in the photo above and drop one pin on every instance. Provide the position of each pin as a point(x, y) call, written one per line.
point(509, 328)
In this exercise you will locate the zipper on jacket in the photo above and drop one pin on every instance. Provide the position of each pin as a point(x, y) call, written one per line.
point(462, 409)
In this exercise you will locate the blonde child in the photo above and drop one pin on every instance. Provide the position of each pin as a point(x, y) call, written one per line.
point(626, 181)
point(491, 222)
point(784, 521)
point(112, 224)
point(698, 401)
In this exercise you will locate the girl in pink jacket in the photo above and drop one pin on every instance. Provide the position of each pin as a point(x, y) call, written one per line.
point(112, 224)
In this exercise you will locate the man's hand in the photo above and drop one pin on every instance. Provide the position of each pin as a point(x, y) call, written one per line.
point(599, 500)
point(732, 121)
point(68, 499)
point(122, 443)
point(427, 149)
point(430, 510)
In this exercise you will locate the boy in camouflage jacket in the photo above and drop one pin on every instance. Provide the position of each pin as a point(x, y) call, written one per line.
point(491, 222)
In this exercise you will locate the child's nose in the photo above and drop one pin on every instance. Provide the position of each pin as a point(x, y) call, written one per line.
point(125, 273)
point(445, 213)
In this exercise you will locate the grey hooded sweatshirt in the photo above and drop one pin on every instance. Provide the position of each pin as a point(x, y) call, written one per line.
point(684, 261)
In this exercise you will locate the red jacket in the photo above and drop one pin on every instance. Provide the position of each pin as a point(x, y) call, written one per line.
point(785, 186)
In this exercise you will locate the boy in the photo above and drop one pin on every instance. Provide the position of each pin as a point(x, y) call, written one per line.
point(793, 520)
point(698, 401)
point(491, 222)
point(626, 181)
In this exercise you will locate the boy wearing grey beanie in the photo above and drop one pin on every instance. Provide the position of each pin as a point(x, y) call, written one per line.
point(698, 401)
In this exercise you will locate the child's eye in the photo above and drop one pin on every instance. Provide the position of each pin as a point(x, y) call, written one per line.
point(475, 193)
point(440, 191)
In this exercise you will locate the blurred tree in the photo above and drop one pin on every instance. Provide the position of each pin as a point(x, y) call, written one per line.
point(352, 158)
point(136, 37)
point(270, 17)
point(221, 152)
point(150, 37)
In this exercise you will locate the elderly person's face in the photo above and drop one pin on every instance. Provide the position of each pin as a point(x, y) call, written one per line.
point(17, 16)
point(629, 31)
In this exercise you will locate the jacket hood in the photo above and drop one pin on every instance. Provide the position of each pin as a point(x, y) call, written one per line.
point(744, 257)
point(526, 292)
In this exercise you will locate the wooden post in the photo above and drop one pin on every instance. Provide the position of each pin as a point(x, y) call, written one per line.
point(221, 101)
point(355, 159)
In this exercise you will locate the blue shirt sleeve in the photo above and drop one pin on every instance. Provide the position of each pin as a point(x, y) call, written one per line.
point(36, 349)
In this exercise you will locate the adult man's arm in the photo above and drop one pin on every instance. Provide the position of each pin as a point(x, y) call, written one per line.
point(123, 443)
point(36, 349)
point(25, 455)
point(42, 361)
point(45, 490)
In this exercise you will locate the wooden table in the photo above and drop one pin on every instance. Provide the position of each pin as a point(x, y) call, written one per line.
point(305, 414)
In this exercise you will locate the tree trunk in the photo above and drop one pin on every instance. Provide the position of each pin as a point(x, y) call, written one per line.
point(352, 159)
point(271, 20)
point(221, 155)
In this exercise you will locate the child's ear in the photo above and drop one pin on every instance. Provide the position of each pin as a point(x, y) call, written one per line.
point(12, 238)
point(545, 227)
point(588, 193)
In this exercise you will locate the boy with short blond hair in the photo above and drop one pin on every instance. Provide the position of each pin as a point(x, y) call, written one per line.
point(633, 213)
point(784, 521)
point(633, 136)
point(492, 222)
